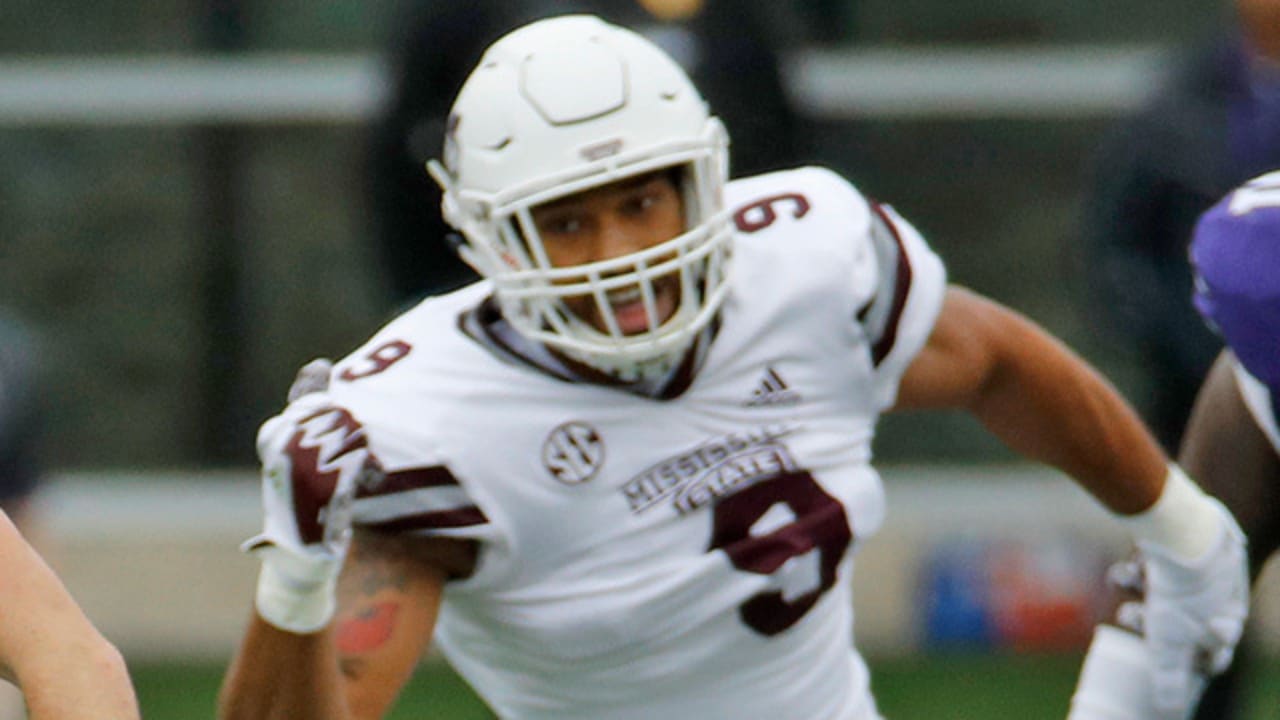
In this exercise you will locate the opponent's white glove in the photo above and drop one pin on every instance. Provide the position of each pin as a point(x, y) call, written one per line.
point(314, 456)
point(1195, 580)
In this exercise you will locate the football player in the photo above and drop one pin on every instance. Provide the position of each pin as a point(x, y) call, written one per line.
point(1232, 442)
point(64, 667)
point(626, 474)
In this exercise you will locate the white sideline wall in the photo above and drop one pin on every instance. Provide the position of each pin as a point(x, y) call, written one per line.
point(153, 559)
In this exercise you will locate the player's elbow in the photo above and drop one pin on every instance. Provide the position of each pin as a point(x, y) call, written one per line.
point(85, 678)
point(108, 664)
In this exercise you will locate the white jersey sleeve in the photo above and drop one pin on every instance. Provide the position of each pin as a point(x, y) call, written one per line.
point(908, 297)
point(887, 269)
point(418, 492)
point(423, 498)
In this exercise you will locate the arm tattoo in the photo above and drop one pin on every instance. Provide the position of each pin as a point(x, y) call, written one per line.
point(368, 622)
point(367, 629)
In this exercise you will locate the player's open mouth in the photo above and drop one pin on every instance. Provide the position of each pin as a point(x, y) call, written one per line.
point(629, 311)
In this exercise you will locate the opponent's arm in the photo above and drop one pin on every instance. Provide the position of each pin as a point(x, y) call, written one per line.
point(1226, 451)
point(65, 668)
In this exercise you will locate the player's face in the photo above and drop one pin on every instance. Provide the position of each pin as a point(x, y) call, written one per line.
point(608, 222)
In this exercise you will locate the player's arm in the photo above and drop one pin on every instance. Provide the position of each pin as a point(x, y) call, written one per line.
point(1038, 397)
point(49, 648)
point(341, 617)
point(1046, 403)
point(355, 666)
point(277, 673)
point(1226, 451)
point(389, 596)
point(313, 456)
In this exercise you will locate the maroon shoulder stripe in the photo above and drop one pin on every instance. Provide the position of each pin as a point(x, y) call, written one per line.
point(458, 517)
point(410, 479)
point(902, 285)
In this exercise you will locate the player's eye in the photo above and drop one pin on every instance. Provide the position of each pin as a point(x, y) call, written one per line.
point(560, 225)
point(641, 202)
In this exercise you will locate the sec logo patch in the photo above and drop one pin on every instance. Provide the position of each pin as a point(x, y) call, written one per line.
point(573, 453)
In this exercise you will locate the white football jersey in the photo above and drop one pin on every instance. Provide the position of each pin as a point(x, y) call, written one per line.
point(1260, 401)
point(682, 556)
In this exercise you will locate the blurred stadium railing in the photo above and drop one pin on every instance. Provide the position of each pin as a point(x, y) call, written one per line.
point(867, 82)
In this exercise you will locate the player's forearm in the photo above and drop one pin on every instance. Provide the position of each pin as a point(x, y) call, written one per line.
point(1044, 402)
point(88, 680)
point(50, 649)
point(279, 675)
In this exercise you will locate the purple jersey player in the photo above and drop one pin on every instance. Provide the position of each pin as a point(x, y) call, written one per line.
point(1236, 253)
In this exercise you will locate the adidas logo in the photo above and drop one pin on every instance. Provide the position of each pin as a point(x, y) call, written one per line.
point(772, 390)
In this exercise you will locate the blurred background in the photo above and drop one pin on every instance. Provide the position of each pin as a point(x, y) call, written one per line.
point(187, 218)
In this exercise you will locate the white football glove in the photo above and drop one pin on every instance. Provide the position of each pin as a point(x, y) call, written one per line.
point(1194, 612)
point(1195, 607)
point(312, 377)
point(314, 456)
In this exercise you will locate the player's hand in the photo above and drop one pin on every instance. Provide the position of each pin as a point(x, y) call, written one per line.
point(1193, 614)
point(312, 377)
point(314, 456)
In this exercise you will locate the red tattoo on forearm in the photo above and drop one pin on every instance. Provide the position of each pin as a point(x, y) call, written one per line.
point(367, 630)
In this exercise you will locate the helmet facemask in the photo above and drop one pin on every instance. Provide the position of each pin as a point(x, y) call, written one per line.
point(503, 244)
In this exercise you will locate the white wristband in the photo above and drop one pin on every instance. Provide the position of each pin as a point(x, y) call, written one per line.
point(1184, 522)
point(294, 605)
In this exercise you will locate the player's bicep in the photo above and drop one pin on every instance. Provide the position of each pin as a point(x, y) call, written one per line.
point(957, 359)
point(389, 595)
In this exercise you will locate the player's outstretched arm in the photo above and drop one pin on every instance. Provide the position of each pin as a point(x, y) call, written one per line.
point(1038, 397)
point(1046, 403)
point(65, 668)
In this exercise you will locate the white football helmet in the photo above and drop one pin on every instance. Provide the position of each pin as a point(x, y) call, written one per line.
point(558, 107)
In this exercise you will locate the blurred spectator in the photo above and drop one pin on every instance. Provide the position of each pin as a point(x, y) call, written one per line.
point(1214, 124)
point(731, 48)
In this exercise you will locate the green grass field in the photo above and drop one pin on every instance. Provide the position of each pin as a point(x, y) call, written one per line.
point(934, 687)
